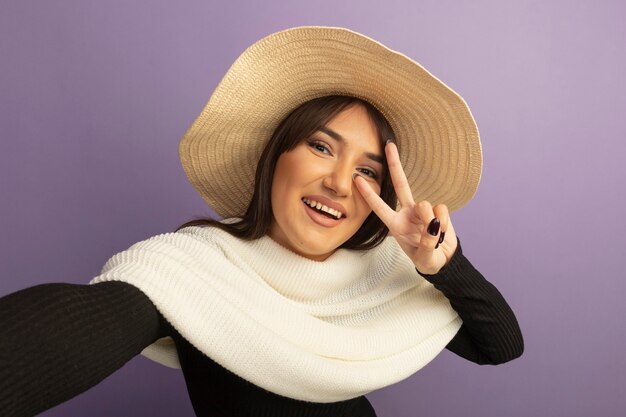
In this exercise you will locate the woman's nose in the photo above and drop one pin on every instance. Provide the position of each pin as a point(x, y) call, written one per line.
point(339, 181)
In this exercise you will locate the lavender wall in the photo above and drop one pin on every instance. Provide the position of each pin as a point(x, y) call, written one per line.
point(95, 95)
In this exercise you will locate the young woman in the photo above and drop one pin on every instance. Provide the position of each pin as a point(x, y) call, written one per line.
point(315, 289)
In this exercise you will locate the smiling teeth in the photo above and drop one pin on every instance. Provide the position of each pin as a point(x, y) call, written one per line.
point(312, 203)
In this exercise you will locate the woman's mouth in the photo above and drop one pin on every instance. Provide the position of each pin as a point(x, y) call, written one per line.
point(321, 208)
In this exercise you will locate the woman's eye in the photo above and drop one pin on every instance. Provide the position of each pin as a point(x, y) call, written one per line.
point(368, 172)
point(320, 147)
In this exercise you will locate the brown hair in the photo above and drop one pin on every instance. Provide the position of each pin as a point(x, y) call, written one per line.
point(300, 124)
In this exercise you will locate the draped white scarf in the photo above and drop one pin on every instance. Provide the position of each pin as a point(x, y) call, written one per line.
point(314, 331)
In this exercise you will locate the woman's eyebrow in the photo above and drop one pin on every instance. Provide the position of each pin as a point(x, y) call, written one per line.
point(373, 156)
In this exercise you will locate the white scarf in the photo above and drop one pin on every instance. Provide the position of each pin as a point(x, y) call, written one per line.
point(314, 331)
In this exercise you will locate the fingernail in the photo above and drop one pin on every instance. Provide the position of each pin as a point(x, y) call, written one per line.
point(433, 227)
point(441, 237)
point(354, 176)
point(388, 142)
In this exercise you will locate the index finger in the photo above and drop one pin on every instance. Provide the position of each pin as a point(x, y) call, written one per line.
point(377, 204)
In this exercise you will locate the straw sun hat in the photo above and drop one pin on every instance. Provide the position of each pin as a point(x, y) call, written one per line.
point(435, 131)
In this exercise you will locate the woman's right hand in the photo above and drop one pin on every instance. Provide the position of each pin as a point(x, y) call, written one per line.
point(424, 232)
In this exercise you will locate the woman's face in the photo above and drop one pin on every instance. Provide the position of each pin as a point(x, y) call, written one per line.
point(318, 172)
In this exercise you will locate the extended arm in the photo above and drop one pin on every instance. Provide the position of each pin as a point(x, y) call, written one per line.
point(58, 340)
point(490, 333)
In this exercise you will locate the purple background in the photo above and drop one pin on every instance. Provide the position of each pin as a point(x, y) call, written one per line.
point(94, 97)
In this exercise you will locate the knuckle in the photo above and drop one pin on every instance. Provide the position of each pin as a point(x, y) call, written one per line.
point(441, 209)
point(423, 205)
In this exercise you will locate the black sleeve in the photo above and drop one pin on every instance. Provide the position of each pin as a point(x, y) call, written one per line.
point(58, 340)
point(490, 333)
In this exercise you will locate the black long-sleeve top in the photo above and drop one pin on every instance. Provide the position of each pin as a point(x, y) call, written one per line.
point(59, 340)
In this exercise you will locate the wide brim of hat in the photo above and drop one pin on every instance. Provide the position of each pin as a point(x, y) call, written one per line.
point(436, 134)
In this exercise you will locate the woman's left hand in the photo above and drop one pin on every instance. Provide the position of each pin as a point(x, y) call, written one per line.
point(418, 227)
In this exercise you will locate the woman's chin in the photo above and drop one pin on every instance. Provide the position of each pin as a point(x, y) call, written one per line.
point(315, 252)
